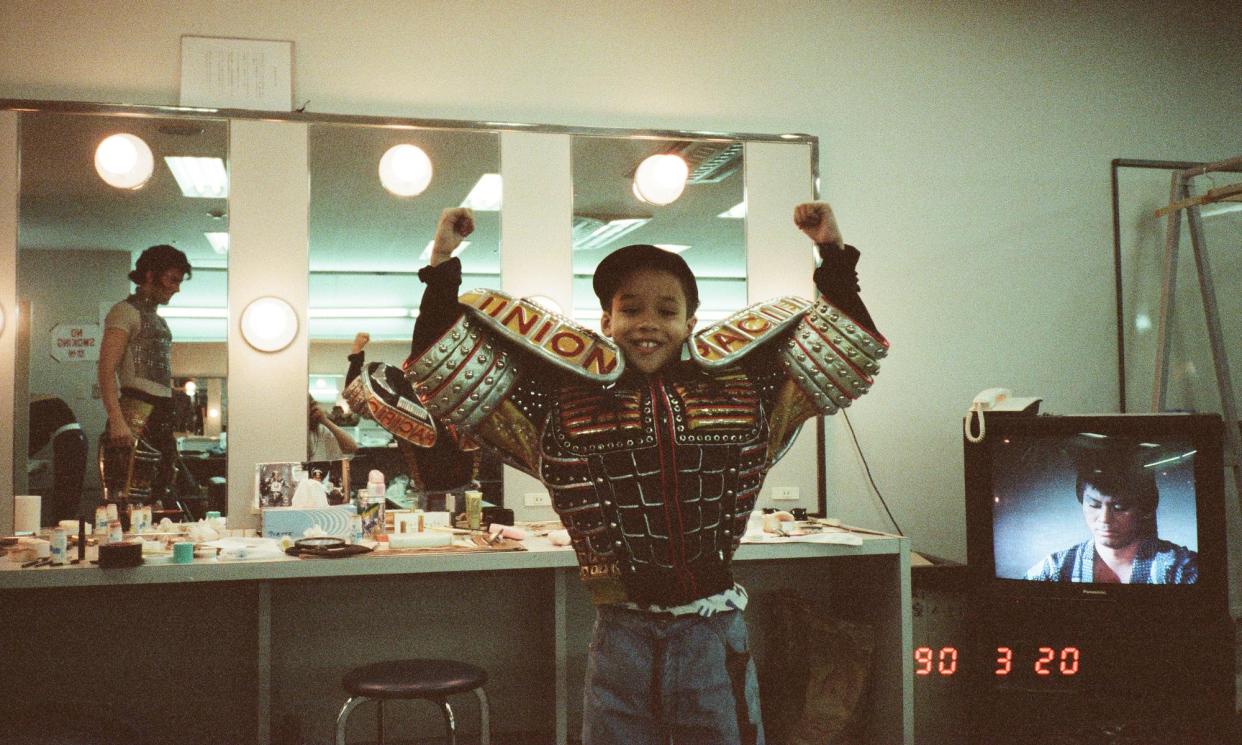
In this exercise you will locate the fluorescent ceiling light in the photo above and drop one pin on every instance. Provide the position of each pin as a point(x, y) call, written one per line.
point(736, 212)
point(672, 247)
point(426, 254)
point(219, 242)
point(199, 177)
point(603, 232)
point(485, 196)
point(1217, 210)
point(188, 312)
point(704, 315)
point(358, 313)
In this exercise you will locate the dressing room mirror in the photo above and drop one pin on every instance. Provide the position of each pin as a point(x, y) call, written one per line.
point(705, 223)
point(78, 238)
point(368, 242)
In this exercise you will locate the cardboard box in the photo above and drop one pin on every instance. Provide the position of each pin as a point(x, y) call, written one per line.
point(293, 522)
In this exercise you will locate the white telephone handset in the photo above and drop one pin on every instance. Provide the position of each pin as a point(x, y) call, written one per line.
point(987, 400)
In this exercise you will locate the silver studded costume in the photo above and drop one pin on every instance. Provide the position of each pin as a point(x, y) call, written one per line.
point(653, 476)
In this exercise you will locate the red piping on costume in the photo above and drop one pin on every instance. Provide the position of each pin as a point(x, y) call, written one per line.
point(672, 495)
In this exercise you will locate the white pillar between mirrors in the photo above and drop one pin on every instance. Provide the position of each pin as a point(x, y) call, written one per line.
point(269, 201)
point(8, 303)
point(536, 248)
point(779, 261)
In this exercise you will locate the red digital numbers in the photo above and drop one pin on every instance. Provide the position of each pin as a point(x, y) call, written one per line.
point(1004, 660)
point(1069, 660)
point(943, 662)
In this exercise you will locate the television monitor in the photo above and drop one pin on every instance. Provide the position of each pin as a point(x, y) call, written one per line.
point(1104, 506)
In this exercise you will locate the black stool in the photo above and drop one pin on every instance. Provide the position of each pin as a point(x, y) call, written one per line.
point(432, 680)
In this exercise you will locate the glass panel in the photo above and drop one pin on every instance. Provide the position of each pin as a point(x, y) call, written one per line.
point(1192, 384)
point(706, 224)
point(78, 238)
point(366, 247)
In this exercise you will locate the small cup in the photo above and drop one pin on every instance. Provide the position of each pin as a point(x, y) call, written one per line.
point(183, 552)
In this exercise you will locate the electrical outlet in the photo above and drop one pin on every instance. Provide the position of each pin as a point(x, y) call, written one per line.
point(538, 499)
point(785, 492)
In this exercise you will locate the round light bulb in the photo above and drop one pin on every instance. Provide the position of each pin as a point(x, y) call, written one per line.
point(660, 179)
point(124, 161)
point(405, 170)
point(190, 388)
point(213, 412)
point(269, 324)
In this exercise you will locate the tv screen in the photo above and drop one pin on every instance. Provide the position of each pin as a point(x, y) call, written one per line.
point(1098, 501)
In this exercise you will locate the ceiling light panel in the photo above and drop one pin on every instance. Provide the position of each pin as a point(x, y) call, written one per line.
point(203, 178)
point(486, 194)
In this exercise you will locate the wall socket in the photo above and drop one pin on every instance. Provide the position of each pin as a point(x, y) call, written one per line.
point(538, 499)
point(785, 492)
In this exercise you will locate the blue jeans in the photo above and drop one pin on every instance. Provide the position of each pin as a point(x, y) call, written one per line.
point(653, 679)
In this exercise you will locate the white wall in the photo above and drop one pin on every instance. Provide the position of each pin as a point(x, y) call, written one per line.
point(965, 147)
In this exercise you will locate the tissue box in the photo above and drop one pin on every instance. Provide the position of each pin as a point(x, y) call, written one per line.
point(294, 521)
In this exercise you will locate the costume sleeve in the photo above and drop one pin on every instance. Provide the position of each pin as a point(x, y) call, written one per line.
point(356, 361)
point(825, 361)
point(438, 309)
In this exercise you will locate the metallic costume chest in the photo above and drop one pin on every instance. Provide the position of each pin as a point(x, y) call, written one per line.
point(658, 478)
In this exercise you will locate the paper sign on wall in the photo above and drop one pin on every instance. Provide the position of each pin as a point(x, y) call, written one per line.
point(236, 73)
point(75, 342)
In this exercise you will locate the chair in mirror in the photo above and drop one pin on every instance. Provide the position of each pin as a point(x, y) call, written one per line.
point(686, 196)
point(96, 191)
point(376, 194)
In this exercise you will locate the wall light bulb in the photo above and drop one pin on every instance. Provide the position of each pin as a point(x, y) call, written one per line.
point(660, 179)
point(269, 324)
point(124, 161)
point(405, 170)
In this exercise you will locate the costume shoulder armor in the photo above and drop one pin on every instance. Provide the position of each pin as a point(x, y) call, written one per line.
point(382, 393)
point(546, 335)
point(725, 342)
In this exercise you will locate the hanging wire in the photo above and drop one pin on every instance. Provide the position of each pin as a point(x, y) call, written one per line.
point(870, 478)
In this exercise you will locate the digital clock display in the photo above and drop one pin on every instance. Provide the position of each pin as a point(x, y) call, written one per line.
point(1004, 662)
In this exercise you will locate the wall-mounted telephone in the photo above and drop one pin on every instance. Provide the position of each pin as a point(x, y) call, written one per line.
point(994, 399)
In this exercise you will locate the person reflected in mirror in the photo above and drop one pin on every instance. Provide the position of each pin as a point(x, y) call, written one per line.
point(311, 492)
point(325, 440)
point(53, 422)
point(653, 444)
point(135, 367)
point(1118, 495)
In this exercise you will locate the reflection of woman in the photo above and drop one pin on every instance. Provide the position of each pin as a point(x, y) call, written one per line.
point(1119, 497)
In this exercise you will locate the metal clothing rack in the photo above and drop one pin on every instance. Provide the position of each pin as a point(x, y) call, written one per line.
point(1183, 199)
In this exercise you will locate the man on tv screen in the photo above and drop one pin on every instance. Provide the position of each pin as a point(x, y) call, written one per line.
point(1118, 493)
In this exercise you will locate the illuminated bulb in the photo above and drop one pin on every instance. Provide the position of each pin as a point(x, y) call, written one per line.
point(660, 179)
point(269, 324)
point(124, 161)
point(405, 170)
point(190, 388)
point(213, 412)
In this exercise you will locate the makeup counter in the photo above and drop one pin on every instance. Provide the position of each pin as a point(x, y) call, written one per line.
point(252, 651)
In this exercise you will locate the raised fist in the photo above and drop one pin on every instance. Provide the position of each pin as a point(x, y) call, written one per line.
point(817, 221)
point(455, 224)
point(360, 341)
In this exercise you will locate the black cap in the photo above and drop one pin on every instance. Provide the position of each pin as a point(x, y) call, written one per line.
point(620, 264)
point(157, 259)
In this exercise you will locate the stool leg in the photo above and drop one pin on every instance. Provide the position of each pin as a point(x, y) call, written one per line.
point(379, 722)
point(449, 723)
point(344, 716)
point(485, 731)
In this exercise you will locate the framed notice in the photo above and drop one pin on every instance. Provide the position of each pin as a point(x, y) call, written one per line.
point(236, 73)
point(75, 342)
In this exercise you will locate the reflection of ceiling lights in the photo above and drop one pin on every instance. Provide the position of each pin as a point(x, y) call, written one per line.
point(1217, 210)
point(359, 313)
point(204, 178)
point(736, 212)
point(672, 247)
point(172, 311)
point(190, 388)
point(485, 196)
point(219, 242)
point(591, 233)
point(124, 161)
point(405, 170)
point(660, 179)
point(426, 254)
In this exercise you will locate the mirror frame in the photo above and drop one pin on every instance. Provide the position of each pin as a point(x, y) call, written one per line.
point(511, 132)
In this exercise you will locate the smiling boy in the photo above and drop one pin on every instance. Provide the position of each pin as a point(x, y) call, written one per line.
point(653, 444)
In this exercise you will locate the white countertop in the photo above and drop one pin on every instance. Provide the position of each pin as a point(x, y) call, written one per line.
point(539, 554)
